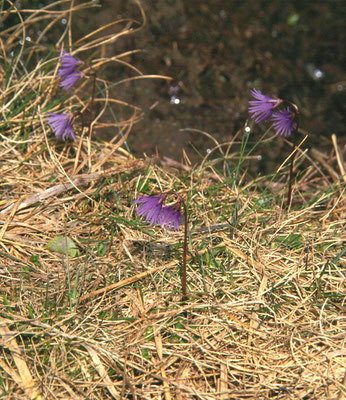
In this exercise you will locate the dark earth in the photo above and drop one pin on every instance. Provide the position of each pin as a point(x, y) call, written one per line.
point(216, 51)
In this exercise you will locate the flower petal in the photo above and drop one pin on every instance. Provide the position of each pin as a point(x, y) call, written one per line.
point(61, 125)
point(263, 106)
point(284, 122)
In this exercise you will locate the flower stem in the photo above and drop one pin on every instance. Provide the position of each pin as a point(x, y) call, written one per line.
point(183, 272)
point(290, 179)
point(92, 105)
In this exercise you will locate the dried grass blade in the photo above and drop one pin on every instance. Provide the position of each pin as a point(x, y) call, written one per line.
point(24, 379)
point(80, 180)
point(339, 158)
point(103, 373)
point(127, 281)
point(158, 343)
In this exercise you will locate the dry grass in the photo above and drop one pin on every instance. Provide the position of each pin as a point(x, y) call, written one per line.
point(265, 317)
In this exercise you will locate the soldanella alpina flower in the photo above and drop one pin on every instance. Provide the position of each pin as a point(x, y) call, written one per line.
point(263, 107)
point(61, 125)
point(155, 213)
point(67, 71)
point(284, 122)
point(150, 207)
point(171, 217)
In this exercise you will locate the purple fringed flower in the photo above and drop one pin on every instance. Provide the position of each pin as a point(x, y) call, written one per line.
point(61, 125)
point(68, 83)
point(67, 71)
point(151, 207)
point(263, 107)
point(171, 217)
point(284, 122)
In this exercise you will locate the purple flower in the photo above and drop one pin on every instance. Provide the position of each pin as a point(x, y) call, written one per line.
point(68, 64)
point(284, 122)
point(263, 107)
point(151, 207)
point(61, 125)
point(67, 71)
point(68, 83)
point(171, 217)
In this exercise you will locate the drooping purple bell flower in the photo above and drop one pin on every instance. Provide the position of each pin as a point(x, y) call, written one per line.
point(152, 208)
point(67, 71)
point(263, 107)
point(61, 125)
point(284, 122)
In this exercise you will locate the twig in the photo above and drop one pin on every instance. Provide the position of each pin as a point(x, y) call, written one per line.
point(77, 181)
point(169, 162)
point(126, 282)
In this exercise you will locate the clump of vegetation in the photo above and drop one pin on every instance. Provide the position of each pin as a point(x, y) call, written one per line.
point(90, 302)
